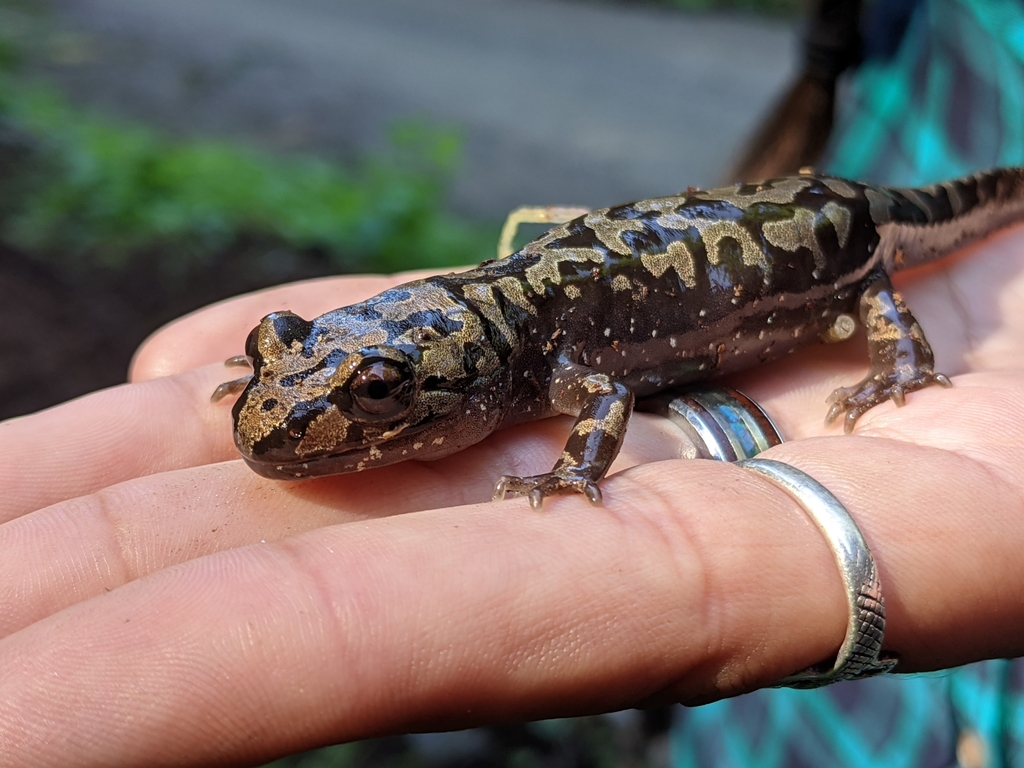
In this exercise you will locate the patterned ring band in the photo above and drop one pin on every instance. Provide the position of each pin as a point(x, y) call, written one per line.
point(718, 422)
point(859, 655)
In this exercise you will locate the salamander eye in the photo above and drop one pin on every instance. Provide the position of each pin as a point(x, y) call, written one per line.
point(381, 391)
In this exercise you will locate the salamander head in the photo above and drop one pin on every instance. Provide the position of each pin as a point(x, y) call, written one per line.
point(409, 374)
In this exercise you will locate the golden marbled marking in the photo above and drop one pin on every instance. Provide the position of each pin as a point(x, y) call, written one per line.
point(548, 261)
point(678, 257)
point(794, 233)
point(780, 192)
point(841, 218)
point(609, 231)
point(512, 289)
point(840, 187)
point(879, 205)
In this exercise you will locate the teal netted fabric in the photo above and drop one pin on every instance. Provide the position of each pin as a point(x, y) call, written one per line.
point(948, 102)
point(892, 722)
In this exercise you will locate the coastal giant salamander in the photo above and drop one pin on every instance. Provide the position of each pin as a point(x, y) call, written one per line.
point(617, 304)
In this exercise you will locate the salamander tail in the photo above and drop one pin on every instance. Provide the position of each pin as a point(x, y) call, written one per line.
point(921, 225)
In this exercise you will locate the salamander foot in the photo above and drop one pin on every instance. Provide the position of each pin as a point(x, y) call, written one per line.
point(538, 487)
point(858, 399)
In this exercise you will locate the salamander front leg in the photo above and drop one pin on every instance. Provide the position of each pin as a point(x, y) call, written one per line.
point(901, 359)
point(235, 386)
point(603, 406)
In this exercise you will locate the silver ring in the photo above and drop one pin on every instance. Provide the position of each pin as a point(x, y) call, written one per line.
point(721, 423)
point(860, 654)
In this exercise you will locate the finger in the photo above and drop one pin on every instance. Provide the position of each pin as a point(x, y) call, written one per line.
point(697, 580)
point(86, 546)
point(390, 624)
point(110, 436)
point(164, 520)
point(217, 332)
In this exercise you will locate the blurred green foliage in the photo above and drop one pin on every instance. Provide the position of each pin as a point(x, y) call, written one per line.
point(81, 188)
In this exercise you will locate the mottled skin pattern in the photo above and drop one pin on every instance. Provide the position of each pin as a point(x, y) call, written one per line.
point(617, 304)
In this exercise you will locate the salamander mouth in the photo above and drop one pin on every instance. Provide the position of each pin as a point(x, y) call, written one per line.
point(409, 443)
point(355, 459)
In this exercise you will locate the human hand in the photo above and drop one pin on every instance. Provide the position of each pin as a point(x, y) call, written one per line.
point(160, 603)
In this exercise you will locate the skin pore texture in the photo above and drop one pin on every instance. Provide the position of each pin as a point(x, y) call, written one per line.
point(162, 604)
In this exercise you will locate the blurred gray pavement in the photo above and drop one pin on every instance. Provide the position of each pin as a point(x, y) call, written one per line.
point(557, 101)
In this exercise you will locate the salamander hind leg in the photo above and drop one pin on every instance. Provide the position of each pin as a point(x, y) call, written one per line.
point(550, 214)
point(602, 407)
point(901, 359)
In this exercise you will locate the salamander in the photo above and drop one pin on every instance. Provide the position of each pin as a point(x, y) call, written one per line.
point(615, 305)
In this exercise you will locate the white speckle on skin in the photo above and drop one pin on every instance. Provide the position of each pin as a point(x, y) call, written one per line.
point(703, 312)
point(417, 446)
point(672, 342)
point(761, 334)
point(438, 440)
point(607, 332)
point(597, 360)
